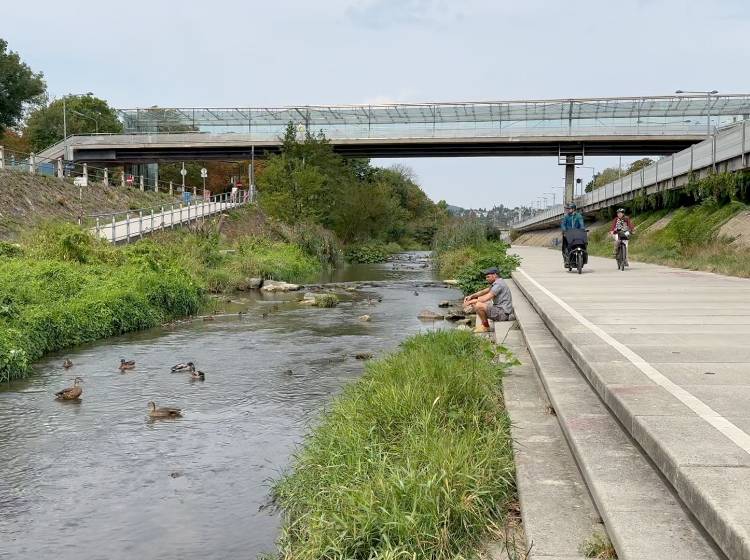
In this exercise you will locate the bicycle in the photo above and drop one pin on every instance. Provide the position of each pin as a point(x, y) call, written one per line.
point(622, 249)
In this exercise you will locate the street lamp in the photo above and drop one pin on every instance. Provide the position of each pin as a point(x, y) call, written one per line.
point(65, 111)
point(708, 95)
point(96, 121)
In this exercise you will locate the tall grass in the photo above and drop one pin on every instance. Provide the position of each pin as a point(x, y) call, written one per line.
point(412, 461)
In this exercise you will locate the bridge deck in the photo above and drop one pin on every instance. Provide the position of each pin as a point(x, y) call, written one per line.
point(667, 351)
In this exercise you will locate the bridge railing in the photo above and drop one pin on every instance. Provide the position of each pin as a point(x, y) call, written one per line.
point(80, 173)
point(727, 144)
point(127, 225)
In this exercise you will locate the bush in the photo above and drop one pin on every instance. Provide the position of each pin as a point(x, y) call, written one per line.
point(326, 300)
point(10, 250)
point(470, 277)
point(469, 232)
point(367, 253)
point(414, 460)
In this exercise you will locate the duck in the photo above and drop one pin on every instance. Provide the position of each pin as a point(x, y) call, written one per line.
point(67, 364)
point(197, 374)
point(126, 364)
point(185, 366)
point(163, 411)
point(71, 393)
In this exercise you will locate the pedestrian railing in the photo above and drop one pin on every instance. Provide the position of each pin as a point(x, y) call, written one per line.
point(125, 226)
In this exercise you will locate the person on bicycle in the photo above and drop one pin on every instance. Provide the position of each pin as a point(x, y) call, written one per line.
point(571, 220)
point(620, 223)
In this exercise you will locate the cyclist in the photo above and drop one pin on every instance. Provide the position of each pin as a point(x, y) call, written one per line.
point(620, 223)
point(571, 220)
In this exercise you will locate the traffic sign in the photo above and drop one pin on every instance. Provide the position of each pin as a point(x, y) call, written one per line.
point(183, 171)
point(204, 172)
point(129, 179)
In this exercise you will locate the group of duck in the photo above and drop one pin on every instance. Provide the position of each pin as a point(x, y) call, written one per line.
point(74, 393)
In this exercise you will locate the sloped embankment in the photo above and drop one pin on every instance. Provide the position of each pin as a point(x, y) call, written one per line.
point(27, 200)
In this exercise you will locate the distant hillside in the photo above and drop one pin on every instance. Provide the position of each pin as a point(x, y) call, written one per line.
point(498, 216)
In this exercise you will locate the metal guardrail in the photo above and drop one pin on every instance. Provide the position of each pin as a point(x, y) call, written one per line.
point(36, 164)
point(730, 143)
point(136, 223)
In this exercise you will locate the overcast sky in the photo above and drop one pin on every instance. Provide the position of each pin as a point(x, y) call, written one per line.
point(270, 53)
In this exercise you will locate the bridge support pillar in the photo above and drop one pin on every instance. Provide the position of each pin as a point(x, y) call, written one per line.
point(570, 178)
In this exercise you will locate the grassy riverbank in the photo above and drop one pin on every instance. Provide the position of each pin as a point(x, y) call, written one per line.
point(464, 248)
point(689, 237)
point(413, 460)
point(60, 287)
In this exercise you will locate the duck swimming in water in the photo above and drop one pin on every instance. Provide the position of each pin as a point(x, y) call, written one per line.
point(186, 366)
point(163, 411)
point(197, 374)
point(67, 364)
point(71, 393)
point(126, 364)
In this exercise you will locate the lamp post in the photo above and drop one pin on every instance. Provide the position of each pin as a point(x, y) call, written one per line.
point(96, 121)
point(65, 112)
point(553, 197)
point(593, 173)
point(708, 95)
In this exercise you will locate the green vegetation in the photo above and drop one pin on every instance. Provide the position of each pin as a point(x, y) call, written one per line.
point(20, 87)
point(85, 114)
point(359, 203)
point(689, 240)
point(611, 174)
point(326, 300)
point(463, 248)
point(413, 460)
point(367, 253)
point(60, 287)
point(598, 546)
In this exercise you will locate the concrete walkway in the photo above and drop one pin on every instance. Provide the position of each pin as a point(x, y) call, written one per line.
point(667, 350)
point(141, 223)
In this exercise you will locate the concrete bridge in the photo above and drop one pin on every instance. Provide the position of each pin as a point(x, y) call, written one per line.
point(728, 150)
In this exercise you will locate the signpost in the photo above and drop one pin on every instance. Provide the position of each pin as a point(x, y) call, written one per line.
point(204, 174)
point(129, 179)
point(183, 172)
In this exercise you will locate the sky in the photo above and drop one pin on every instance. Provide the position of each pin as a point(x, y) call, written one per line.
point(228, 53)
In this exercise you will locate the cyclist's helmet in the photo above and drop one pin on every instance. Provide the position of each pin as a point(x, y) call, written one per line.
point(621, 210)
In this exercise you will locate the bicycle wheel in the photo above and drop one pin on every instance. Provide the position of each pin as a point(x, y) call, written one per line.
point(579, 262)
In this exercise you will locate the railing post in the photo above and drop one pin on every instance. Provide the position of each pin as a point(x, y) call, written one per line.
point(171, 217)
point(163, 218)
point(122, 178)
point(86, 173)
point(140, 223)
point(152, 219)
point(171, 189)
point(60, 169)
point(97, 227)
point(32, 163)
point(141, 183)
point(156, 186)
point(181, 212)
point(114, 239)
point(127, 227)
point(106, 177)
point(2, 157)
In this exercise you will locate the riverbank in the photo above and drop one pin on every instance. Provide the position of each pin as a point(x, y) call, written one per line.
point(710, 237)
point(413, 459)
point(60, 287)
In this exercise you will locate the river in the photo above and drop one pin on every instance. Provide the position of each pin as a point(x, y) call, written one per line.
point(96, 479)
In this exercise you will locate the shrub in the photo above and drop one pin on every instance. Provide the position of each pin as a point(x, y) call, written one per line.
point(10, 250)
point(470, 277)
point(367, 253)
point(326, 300)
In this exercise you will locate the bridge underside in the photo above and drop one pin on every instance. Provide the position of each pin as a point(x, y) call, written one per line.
point(229, 149)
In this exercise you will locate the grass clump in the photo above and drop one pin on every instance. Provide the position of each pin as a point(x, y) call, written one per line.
point(413, 460)
point(326, 300)
point(598, 546)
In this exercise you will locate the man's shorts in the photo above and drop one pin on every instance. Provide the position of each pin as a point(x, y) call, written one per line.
point(496, 313)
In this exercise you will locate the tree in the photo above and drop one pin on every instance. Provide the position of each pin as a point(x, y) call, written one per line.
point(638, 164)
point(84, 114)
point(19, 86)
point(606, 175)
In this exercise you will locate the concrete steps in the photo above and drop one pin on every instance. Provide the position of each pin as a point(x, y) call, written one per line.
point(688, 442)
point(642, 514)
point(556, 509)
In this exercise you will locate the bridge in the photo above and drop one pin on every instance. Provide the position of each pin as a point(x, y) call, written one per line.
point(556, 127)
point(725, 151)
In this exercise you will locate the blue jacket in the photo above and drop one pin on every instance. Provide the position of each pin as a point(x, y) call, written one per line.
point(572, 221)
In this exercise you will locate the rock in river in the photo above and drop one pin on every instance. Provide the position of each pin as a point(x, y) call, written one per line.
point(276, 286)
point(444, 303)
point(428, 315)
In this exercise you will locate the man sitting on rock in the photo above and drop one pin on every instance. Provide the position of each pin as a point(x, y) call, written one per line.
point(494, 303)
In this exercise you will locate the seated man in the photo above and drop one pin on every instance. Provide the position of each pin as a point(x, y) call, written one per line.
point(494, 303)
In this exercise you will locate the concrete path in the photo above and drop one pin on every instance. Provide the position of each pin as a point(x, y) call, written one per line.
point(142, 223)
point(667, 350)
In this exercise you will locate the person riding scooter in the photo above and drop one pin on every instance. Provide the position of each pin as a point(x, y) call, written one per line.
point(572, 220)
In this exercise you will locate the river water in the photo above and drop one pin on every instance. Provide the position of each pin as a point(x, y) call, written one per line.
point(98, 480)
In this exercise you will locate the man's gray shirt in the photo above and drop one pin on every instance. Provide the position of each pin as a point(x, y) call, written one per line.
point(502, 297)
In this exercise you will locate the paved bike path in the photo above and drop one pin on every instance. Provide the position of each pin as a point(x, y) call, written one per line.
point(667, 350)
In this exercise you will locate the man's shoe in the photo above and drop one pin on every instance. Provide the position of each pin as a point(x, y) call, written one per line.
point(481, 329)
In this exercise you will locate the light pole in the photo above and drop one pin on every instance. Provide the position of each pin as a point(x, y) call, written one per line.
point(708, 95)
point(96, 121)
point(553, 197)
point(65, 112)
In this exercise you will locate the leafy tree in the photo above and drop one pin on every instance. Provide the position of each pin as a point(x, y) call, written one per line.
point(19, 86)
point(610, 174)
point(638, 164)
point(85, 114)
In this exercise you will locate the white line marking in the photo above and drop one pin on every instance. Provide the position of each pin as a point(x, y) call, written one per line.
point(739, 437)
